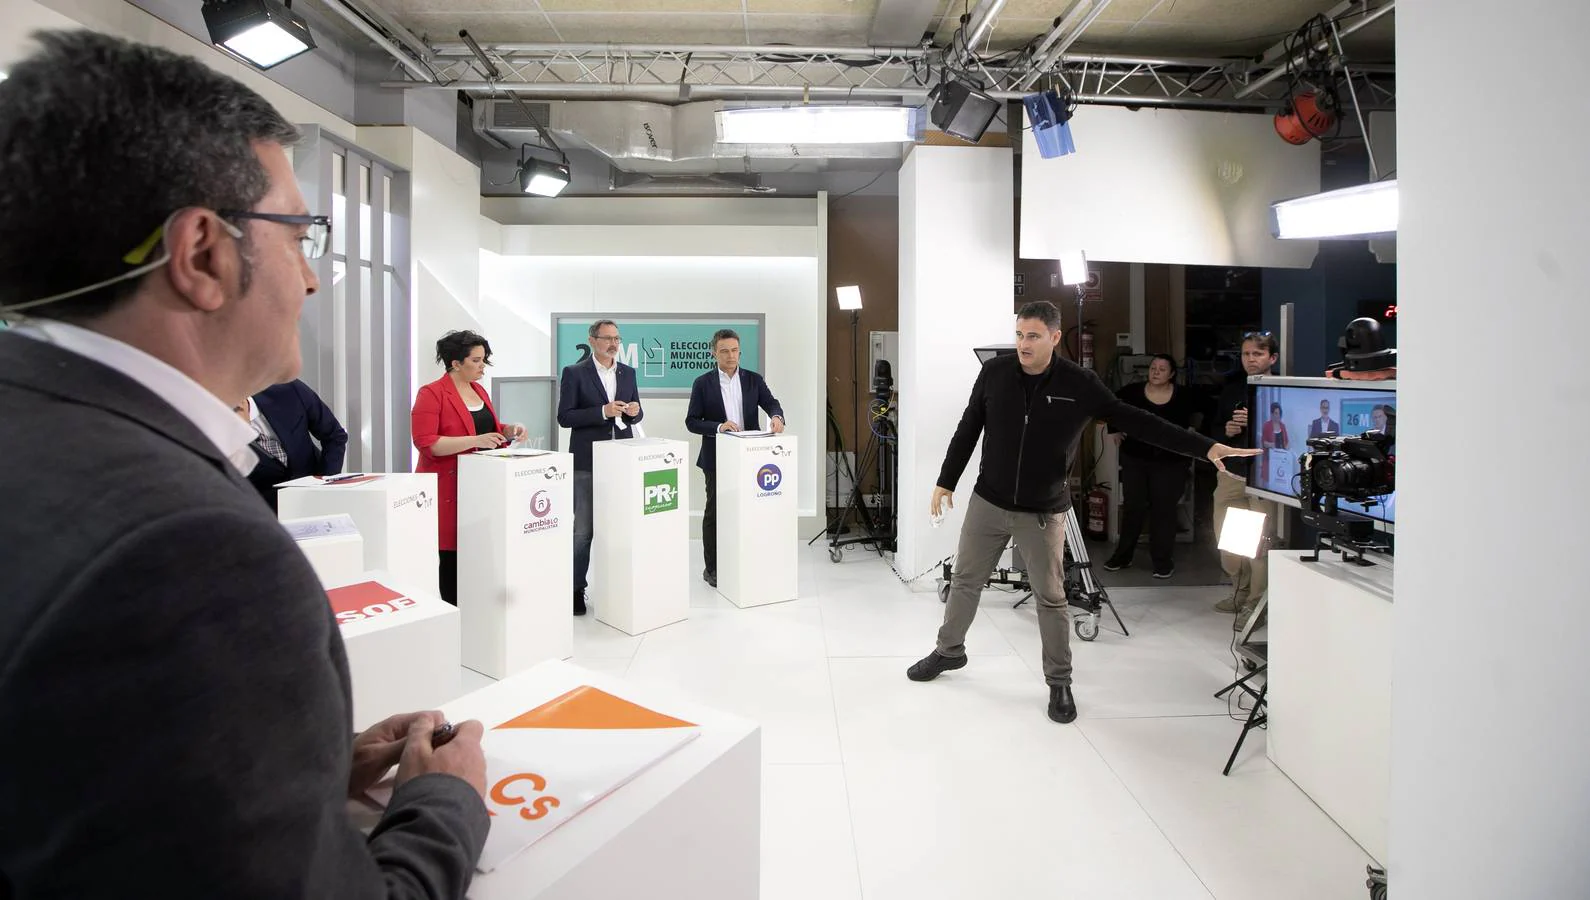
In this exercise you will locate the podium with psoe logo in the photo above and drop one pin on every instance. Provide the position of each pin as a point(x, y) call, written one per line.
point(402, 646)
point(640, 556)
point(395, 514)
point(757, 518)
point(515, 558)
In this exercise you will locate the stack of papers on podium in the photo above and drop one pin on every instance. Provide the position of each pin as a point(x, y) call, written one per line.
point(760, 432)
point(513, 451)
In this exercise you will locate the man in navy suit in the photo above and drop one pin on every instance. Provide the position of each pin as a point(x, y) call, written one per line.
point(284, 416)
point(597, 401)
point(725, 399)
point(1324, 424)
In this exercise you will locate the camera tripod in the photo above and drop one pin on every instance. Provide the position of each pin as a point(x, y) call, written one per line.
point(877, 524)
point(1082, 590)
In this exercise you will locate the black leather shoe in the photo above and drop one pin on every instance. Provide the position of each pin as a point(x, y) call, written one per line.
point(1116, 564)
point(710, 577)
point(933, 665)
point(1062, 706)
point(579, 603)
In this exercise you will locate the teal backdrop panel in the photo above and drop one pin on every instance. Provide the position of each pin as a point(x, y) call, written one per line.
point(667, 352)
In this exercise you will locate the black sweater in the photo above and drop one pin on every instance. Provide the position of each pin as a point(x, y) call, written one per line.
point(1027, 445)
point(1233, 397)
point(1178, 411)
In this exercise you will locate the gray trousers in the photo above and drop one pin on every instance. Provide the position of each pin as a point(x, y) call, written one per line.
point(1042, 540)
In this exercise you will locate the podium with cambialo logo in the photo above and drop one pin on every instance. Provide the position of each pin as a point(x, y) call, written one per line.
point(515, 558)
point(639, 558)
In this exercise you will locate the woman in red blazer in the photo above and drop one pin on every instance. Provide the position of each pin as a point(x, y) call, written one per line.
point(453, 415)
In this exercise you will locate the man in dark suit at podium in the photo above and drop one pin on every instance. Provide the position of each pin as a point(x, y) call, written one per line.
point(597, 401)
point(283, 417)
point(724, 400)
point(174, 691)
point(1324, 424)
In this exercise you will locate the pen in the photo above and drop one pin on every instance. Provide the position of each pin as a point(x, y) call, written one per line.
point(442, 734)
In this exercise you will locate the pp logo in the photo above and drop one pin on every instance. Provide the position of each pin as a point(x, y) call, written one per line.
point(660, 491)
point(768, 478)
point(541, 504)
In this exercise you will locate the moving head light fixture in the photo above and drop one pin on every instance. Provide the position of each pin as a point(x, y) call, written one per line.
point(262, 33)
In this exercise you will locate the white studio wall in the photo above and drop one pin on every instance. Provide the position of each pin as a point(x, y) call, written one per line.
point(1166, 186)
point(604, 267)
point(956, 271)
point(1490, 718)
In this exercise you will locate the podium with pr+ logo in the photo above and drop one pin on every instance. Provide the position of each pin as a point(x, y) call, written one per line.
point(639, 556)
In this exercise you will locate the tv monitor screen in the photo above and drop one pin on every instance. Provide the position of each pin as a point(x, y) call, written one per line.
point(1283, 413)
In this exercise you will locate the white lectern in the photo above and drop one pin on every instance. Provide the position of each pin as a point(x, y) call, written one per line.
point(396, 516)
point(640, 557)
point(757, 518)
point(515, 559)
point(402, 646)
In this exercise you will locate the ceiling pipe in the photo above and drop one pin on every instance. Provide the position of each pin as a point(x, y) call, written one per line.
point(1064, 44)
point(705, 51)
point(381, 40)
point(980, 26)
point(1323, 44)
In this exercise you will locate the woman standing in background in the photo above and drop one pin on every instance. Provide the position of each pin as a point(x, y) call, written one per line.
point(1153, 479)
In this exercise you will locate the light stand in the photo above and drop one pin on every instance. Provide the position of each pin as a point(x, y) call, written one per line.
point(849, 298)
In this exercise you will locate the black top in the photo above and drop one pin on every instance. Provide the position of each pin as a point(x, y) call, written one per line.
point(1233, 397)
point(1027, 444)
point(1178, 411)
point(485, 422)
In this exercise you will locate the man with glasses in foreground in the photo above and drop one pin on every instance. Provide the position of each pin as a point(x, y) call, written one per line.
point(597, 401)
point(1249, 577)
point(173, 688)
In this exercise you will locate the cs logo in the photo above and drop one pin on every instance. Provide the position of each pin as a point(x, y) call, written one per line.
point(768, 478)
point(538, 807)
point(540, 504)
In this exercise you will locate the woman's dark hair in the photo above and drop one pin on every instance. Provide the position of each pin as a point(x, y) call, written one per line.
point(1275, 408)
point(1169, 360)
point(454, 346)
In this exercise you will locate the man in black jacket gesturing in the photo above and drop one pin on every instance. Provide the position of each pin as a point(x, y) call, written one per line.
point(1030, 410)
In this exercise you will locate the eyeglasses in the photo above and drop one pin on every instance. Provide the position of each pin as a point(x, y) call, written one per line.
point(313, 242)
point(612, 339)
point(1256, 335)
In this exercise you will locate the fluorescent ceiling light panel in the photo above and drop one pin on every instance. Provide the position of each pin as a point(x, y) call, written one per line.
point(819, 125)
point(1367, 209)
point(849, 296)
point(1073, 267)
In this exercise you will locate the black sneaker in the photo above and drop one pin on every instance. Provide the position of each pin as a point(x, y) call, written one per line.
point(1062, 706)
point(579, 603)
point(1115, 565)
point(933, 665)
point(710, 577)
point(1165, 572)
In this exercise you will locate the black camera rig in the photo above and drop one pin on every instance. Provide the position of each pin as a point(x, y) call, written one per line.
point(1358, 469)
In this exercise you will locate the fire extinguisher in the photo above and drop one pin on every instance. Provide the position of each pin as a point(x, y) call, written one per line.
point(1087, 348)
point(1099, 514)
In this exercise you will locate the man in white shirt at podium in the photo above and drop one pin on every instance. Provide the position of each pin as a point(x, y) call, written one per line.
point(725, 399)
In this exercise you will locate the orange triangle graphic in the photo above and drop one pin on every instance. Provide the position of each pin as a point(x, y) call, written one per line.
point(587, 707)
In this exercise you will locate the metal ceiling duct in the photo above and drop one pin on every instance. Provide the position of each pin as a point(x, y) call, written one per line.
point(654, 137)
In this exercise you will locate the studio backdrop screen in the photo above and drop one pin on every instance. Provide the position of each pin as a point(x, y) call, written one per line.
point(667, 352)
point(1282, 418)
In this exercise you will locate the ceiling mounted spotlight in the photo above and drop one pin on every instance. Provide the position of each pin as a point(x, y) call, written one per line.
point(543, 178)
point(262, 33)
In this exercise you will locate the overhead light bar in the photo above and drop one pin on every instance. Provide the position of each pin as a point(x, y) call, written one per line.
point(819, 125)
point(1356, 212)
point(849, 296)
point(543, 178)
point(262, 33)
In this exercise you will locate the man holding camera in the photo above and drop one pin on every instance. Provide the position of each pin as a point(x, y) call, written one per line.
point(1249, 577)
point(1030, 409)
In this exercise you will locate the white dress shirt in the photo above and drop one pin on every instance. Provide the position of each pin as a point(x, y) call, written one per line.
point(213, 418)
point(609, 377)
point(733, 399)
point(258, 422)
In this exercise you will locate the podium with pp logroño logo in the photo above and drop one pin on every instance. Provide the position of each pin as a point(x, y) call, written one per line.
point(640, 555)
point(515, 558)
point(757, 518)
point(395, 515)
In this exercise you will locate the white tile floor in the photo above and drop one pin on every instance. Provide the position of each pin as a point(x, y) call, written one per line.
point(877, 787)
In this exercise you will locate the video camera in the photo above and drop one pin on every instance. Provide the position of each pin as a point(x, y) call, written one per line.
point(1358, 469)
